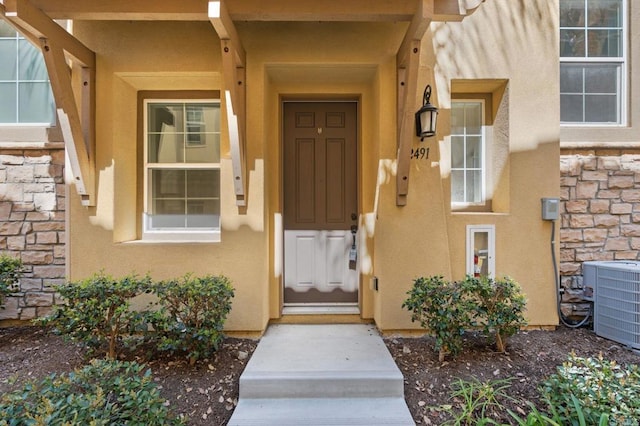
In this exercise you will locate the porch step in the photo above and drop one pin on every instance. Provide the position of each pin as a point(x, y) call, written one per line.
point(336, 374)
point(322, 411)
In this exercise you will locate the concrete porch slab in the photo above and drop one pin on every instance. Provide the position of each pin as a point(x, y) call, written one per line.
point(321, 374)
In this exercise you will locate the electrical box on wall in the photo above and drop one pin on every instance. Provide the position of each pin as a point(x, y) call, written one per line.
point(550, 208)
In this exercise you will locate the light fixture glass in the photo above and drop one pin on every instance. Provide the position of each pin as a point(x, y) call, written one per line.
point(426, 116)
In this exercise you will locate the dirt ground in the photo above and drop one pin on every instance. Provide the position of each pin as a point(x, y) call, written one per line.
point(208, 392)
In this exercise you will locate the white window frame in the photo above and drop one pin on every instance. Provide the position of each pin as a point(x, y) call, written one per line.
point(621, 63)
point(483, 160)
point(209, 234)
point(490, 255)
point(18, 39)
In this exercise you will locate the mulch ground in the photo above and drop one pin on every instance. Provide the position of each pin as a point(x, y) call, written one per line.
point(207, 392)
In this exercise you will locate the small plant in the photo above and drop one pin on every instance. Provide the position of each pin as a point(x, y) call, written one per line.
point(477, 400)
point(585, 389)
point(533, 418)
point(443, 309)
point(102, 393)
point(500, 307)
point(97, 312)
point(191, 315)
point(10, 272)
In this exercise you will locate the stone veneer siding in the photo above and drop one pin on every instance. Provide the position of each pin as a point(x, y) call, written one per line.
point(32, 226)
point(600, 207)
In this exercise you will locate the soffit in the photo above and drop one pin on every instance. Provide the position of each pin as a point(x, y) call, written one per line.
point(253, 10)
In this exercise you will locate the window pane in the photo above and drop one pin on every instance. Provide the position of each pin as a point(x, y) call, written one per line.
point(457, 119)
point(36, 103)
point(571, 108)
point(473, 118)
point(572, 43)
point(571, 78)
point(474, 152)
point(8, 63)
point(203, 183)
point(31, 63)
point(168, 214)
point(457, 152)
point(203, 148)
point(604, 43)
point(601, 79)
point(203, 214)
point(457, 186)
point(601, 109)
point(605, 13)
point(162, 117)
point(166, 147)
point(474, 186)
point(572, 13)
point(8, 104)
point(6, 30)
point(168, 184)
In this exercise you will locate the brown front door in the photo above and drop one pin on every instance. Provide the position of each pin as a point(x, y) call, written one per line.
point(320, 202)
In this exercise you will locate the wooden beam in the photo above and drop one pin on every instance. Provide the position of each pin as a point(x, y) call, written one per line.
point(454, 10)
point(239, 10)
point(408, 63)
point(233, 70)
point(70, 122)
point(237, 153)
point(39, 25)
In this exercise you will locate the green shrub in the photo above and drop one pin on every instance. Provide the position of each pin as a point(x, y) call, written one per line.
point(499, 307)
point(191, 314)
point(10, 272)
point(590, 388)
point(443, 309)
point(102, 393)
point(447, 309)
point(97, 312)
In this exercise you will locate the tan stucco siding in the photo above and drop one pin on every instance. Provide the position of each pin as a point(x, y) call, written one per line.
point(511, 40)
point(510, 44)
point(137, 56)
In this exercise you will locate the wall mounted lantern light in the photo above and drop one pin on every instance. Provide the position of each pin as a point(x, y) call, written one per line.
point(426, 116)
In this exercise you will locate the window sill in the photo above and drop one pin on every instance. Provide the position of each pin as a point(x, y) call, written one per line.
point(170, 237)
point(32, 135)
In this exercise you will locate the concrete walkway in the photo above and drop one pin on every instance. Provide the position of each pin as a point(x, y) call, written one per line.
point(339, 374)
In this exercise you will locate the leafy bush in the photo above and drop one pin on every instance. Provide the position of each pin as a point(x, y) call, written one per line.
point(443, 309)
point(192, 313)
point(102, 393)
point(590, 388)
point(446, 309)
point(10, 272)
point(97, 311)
point(499, 307)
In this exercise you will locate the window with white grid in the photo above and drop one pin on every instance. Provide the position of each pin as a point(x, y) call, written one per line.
point(182, 170)
point(25, 92)
point(467, 152)
point(592, 62)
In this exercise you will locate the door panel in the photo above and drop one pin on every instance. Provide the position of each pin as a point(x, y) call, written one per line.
point(317, 268)
point(320, 201)
point(320, 173)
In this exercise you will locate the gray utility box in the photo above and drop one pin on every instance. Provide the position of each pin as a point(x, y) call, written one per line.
point(615, 286)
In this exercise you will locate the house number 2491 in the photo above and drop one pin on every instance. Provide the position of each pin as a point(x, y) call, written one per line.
point(421, 153)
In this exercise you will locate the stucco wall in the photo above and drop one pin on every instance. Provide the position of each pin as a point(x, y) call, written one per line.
point(136, 56)
point(315, 60)
point(425, 238)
